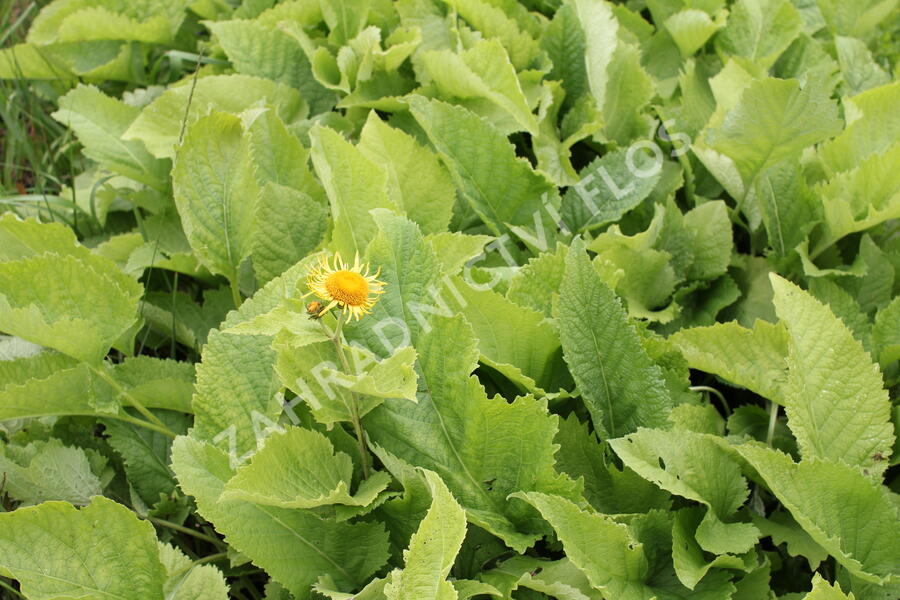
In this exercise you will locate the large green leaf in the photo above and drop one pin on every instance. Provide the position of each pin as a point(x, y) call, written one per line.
point(91, 59)
point(760, 30)
point(650, 263)
point(836, 403)
point(860, 198)
point(886, 333)
point(493, 22)
point(708, 229)
point(564, 43)
point(608, 63)
point(186, 580)
point(160, 123)
point(788, 207)
point(752, 358)
point(606, 551)
point(598, 28)
point(345, 18)
point(691, 565)
point(294, 546)
point(535, 283)
point(483, 448)
point(146, 453)
point(822, 590)
point(694, 466)
point(607, 190)
point(87, 391)
point(110, 19)
point(855, 18)
point(156, 382)
point(432, 549)
point(290, 224)
point(16, 369)
point(515, 340)
point(270, 299)
point(235, 399)
point(502, 188)
point(99, 23)
point(100, 551)
point(691, 29)
point(608, 489)
point(355, 185)
point(483, 79)
point(292, 214)
point(33, 61)
point(216, 193)
point(872, 127)
point(299, 468)
point(48, 470)
point(455, 249)
point(24, 238)
point(279, 154)
point(559, 579)
point(417, 182)
point(629, 90)
point(99, 122)
point(621, 387)
point(411, 272)
point(311, 370)
point(30, 238)
point(78, 307)
point(259, 48)
point(773, 120)
point(855, 520)
point(859, 68)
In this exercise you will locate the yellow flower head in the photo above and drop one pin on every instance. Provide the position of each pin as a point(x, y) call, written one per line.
point(353, 289)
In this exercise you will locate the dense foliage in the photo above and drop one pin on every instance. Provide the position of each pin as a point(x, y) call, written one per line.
point(639, 331)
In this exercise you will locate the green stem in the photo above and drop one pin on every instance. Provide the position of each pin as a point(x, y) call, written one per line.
point(715, 392)
point(337, 339)
point(105, 376)
point(773, 420)
point(689, 185)
point(9, 588)
point(211, 558)
point(251, 589)
point(141, 423)
point(360, 436)
point(199, 561)
point(187, 108)
point(235, 293)
point(185, 530)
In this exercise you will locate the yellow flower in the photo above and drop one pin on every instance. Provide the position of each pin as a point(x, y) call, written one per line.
point(353, 289)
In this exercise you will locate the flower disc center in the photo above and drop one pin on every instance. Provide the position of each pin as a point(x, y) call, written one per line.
point(347, 287)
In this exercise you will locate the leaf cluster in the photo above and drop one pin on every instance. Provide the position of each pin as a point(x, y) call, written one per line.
point(640, 330)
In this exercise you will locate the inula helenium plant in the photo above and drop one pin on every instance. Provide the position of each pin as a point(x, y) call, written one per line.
point(449, 299)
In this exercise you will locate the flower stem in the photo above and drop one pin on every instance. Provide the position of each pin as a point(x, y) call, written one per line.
point(337, 339)
point(160, 426)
